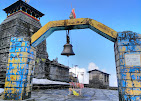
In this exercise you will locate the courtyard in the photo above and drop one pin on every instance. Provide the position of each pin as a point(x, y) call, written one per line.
point(88, 94)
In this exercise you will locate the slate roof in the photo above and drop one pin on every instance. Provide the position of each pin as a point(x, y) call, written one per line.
point(98, 70)
point(22, 3)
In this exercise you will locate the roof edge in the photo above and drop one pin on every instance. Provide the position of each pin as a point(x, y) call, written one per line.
point(99, 71)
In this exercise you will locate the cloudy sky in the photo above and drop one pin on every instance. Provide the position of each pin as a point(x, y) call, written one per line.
point(92, 50)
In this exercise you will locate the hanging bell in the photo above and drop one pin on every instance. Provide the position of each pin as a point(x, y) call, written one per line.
point(67, 50)
point(67, 47)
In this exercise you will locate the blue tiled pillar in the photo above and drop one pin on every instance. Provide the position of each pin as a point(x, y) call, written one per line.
point(128, 65)
point(21, 62)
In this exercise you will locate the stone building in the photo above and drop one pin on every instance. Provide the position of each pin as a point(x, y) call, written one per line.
point(56, 71)
point(22, 21)
point(98, 79)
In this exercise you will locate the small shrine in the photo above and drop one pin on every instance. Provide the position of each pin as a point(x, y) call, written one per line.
point(21, 6)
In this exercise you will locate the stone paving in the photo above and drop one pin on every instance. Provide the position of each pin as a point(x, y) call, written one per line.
point(88, 94)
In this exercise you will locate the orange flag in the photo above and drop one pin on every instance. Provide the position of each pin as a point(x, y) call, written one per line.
point(73, 12)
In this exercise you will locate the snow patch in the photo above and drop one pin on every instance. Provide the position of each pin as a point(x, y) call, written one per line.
point(46, 81)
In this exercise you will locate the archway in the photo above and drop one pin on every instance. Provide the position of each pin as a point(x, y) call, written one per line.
point(126, 46)
point(127, 57)
point(80, 23)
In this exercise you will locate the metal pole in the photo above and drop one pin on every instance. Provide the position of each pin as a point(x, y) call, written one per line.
point(75, 70)
point(83, 77)
point(82, 73)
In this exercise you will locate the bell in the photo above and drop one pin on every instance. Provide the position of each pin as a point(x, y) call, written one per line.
point(67, 50)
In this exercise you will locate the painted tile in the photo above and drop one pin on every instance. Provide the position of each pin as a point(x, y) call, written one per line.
point(20, 39)
point(19, 77)
point(17, 71)
point(129, 91)
point(138, 48)
point(123, 83)
point(14, 66)
point(5, 90)
point(136, 76)
point(124, 70)
point(19, 90)
point(18, 96)
point(18, 44)
point(135, 98)
point(129, 83)
point(8, 84)
point(13, 39)
point(9, 72)
point(134, 70)
point(131, 48)
point(11, 49)
point(125, 76)
point(18, 60)
point(16, 84)
point(25, 43)
point(22, 49)
point(122, 62)
point(122, 48)
point(12, 44)
point(137, 91)
point(25, 54)
point(137, 83)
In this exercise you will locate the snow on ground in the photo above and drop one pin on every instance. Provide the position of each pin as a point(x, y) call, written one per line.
point(46, 81)
point(1, 90)
point(42, 81)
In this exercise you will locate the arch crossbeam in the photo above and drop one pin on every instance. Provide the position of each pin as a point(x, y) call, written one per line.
point(69, 24)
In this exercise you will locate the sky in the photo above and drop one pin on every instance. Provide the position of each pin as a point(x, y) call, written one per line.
point(92, 50)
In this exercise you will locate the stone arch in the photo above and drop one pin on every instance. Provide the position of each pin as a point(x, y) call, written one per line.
point(127, 47)
point(80, 23)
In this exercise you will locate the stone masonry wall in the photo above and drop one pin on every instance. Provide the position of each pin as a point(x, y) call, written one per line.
point(58, 73)
point(18, 25)
point(128, 65)
point(20, 67)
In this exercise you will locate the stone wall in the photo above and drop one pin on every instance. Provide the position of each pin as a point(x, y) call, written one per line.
point(128, 65)
point(56, 71)
point(19, 25)
point(21, 63)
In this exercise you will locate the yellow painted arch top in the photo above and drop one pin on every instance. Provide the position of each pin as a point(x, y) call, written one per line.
point(69, 24)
